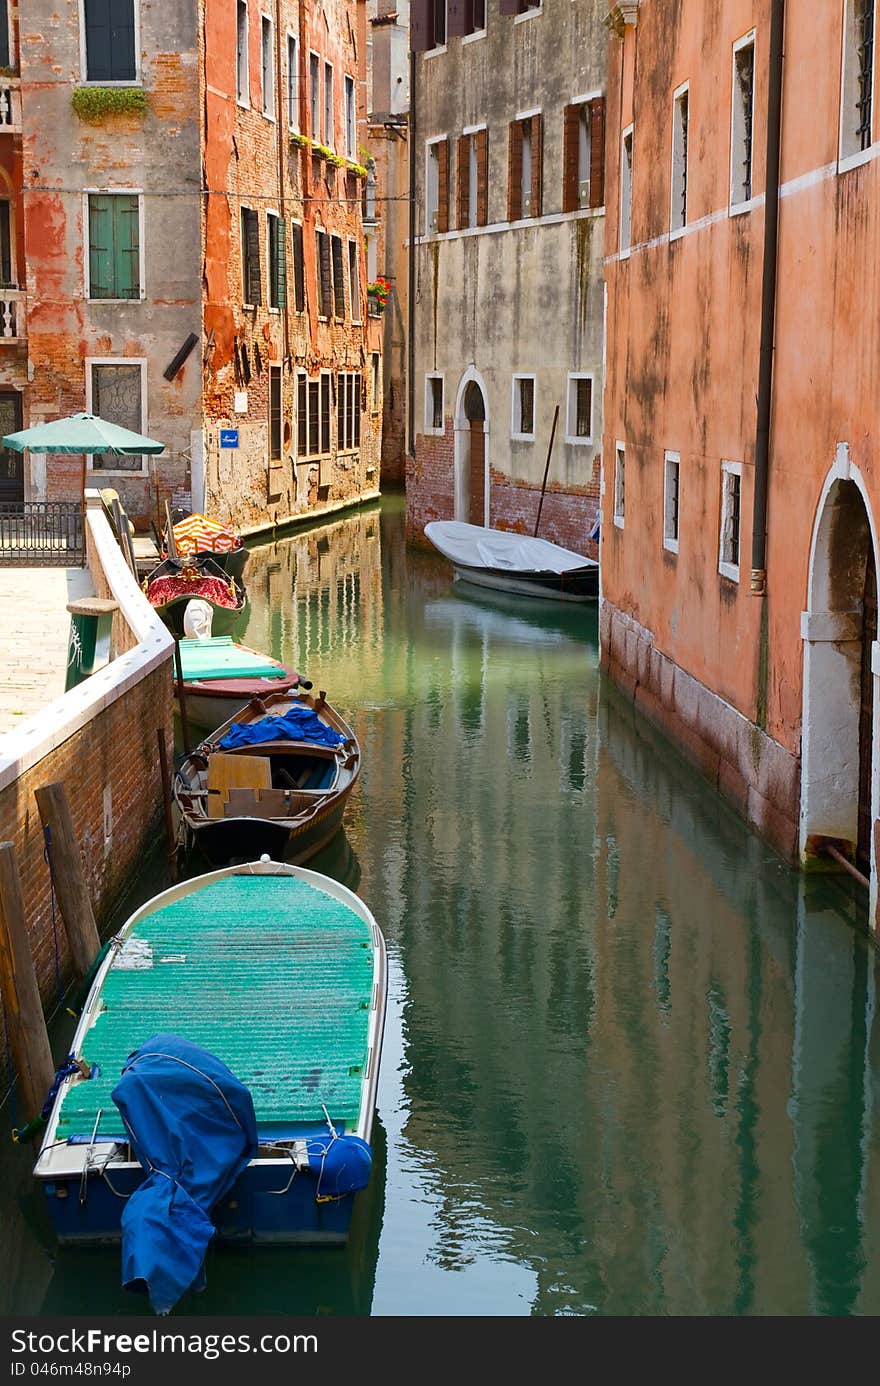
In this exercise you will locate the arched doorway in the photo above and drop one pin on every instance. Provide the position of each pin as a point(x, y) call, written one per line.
point(838, 795)
point(471, 450)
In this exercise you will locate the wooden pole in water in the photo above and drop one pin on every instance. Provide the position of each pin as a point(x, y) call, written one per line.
point(181, 698)
point(166, 799)
point(69, 878)
point(28, 1037)
point(546, 471)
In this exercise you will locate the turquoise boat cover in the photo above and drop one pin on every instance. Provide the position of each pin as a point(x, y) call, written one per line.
point(220, 658)
point(192, 1126)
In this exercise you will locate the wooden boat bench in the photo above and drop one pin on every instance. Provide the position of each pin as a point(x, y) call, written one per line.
point(247, 802)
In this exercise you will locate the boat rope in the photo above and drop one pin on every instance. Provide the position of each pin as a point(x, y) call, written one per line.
point(47, 857)
point(82, 995)
point(70, 1066)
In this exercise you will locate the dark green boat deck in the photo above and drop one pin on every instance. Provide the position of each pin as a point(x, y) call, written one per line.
point(266, 972)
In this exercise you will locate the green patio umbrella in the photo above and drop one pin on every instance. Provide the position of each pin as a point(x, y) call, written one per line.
point(81, 433)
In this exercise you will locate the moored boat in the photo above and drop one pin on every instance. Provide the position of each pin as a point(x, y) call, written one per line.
point(275, 778)
point(220, 677)
point(510, 562)
point(274, 978)
point(198, 536)
point(177, 581)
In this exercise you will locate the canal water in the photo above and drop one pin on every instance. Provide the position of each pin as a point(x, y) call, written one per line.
point(631, 1064)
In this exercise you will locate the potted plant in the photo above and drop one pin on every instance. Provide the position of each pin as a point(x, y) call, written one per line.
point(377, 296)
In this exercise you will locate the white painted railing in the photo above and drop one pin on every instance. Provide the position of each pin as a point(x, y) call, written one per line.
point(12, 315)
point(10, 105)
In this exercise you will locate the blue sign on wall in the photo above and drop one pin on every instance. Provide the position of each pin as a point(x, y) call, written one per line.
point(229, 437)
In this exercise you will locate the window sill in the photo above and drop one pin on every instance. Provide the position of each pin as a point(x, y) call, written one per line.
point(618, 520)
point(578, 441)
point(245, 105)
point(739, 209)
point(529, 14)
point(677, 232)
point(671, 546)
point(729, 571)
point(116, 301)
point(435, 432)
point(269, 115)
point(270, 309)
point(127, 471)
point(435, 52)
point(862, 156)
point(522, 437)
point(94, 82)
point(624, 254)
point(472, 38)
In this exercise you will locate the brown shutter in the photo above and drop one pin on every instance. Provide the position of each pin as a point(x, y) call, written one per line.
point(482, 138)
point(597, 152)
point(509, 7)
point(462, 207)
point(421, 26)
point(570, 139)
point(537, 164)
point(458, 20)
point(514, 172)
point(443, 181)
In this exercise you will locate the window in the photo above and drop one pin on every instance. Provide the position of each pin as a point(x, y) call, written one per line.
point(522, 422)
point(671, 471)
point(4, 33)
point(857, 91)
point(313, 399)
point(267, 65)
point(579, 409)
point(299, 268)
point(326, 389)
point(277, 251)
point(438, 23)
point(626, 175)
point(292, 83)
point(348, 412)
point(520, 7)
point(467, 17)
point(315, 96)
point(115, 390)
point(354, 281)
point(243, 86)
point(427, 25)
point(325, 276)
point(742, 120)
point(274, 413)
point(111, 50)
point(250, 257)
point(350, 122)
point(433, 403)
point(302, 414)
point(728, 553)
point(328, 134)
point(437, 187)
point(524, 167)
point(473, 178)
point(583, 154)
point(7, 259)
point(114, 246)
point(619, 483)
point(375, 382)
point(678, 206)
point(338, 277)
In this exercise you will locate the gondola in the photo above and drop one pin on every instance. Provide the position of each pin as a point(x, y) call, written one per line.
point(177, 581)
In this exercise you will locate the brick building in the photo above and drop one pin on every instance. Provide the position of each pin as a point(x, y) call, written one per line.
point(739, 537)
point(508, 119)
point(183, 234)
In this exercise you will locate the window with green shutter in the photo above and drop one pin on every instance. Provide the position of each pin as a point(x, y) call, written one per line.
point(277, 239)
point(250, 257)
point(114, 245)
point(110, 40)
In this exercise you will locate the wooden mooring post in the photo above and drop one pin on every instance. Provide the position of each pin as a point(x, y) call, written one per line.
point(68, 878)
point(26, 1025)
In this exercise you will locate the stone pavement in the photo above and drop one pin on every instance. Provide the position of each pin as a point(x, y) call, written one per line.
point(34, 633)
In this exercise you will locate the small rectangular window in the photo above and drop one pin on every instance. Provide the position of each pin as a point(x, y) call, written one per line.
point(354, 281)
point(432, 188)
point(626, 168)
point(619, 484)
point(328, 134)
point(250, 257)
point(438, 9)
point(525, 194)
point(671, 472)
point(583, 154)
point(7, 259)
point(375, 396)
point(741, 138)
point(267, 65)
point(522, 424)
point(274, 413)
point(434, 403)
point(473, 180)
point(325, 276)
point(111, 48)
point(315, 96)
point(292, 83)
point(243, 88)
point(857, 94)
point(114, 246)
point(678, 207)
point(4, 33)
point(350, 120)
point(326, 386)
point(728, 553)
point(314, 421)
point(277, 250)
point(579, 409)
point(302, 414)
point(338, 277)
point(299, 268)
point(117, 395)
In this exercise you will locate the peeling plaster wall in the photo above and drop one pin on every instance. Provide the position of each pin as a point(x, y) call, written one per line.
point(157, 154)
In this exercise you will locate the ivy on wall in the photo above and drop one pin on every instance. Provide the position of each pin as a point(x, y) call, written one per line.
point(94, 104)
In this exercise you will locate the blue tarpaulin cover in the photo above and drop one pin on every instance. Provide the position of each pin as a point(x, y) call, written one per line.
point(298, 724)
point(192, 1126)
point(342, 1164)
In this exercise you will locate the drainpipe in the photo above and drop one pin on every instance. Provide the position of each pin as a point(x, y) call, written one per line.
point(768, 300)
point(411, 281)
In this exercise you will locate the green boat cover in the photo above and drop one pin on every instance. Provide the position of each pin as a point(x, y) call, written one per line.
point(268, 973)
point(220, 658)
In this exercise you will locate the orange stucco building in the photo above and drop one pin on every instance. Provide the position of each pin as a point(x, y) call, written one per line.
point(740, 488)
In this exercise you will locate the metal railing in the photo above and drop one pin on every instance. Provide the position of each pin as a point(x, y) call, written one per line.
point(41, 534)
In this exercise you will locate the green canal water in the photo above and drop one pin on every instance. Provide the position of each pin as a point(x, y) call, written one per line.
point(631, 1062)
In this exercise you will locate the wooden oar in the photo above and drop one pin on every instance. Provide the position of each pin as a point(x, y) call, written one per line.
point(546, 471)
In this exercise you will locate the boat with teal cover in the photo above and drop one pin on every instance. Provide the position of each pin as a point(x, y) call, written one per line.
point(278, 972)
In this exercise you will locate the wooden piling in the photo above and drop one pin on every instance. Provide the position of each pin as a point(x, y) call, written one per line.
point(166, 799)
point(69, 878)
point(28, 1037)
point(181, 698)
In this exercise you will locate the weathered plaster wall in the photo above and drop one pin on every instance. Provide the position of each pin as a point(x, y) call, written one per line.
point(526, 298)
point(157, 154)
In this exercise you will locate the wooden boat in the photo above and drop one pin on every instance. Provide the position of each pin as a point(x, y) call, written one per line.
point(282, 796)
point(198, 537)
point(281, 974)
point(512, 562)
point(177, 581)
point(220, 677)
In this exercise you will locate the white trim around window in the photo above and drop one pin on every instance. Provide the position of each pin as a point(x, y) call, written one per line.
point(619, 506)
point(671, 500)
point(354, 284)
point(271, 212)
point(432, 186)
point(740, 205)
point(141, 361)
point(531, 13)
point(86, 241)
point(679, 161)
point(429, 404)
point(292, 85)
point(516, 434)
point(243, 98)
point(266, 21)
point(727, 568)
point(571, 433)
point(626, 191)
point(135, 81)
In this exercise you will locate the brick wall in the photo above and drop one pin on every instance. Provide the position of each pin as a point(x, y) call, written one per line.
point(430, 482)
